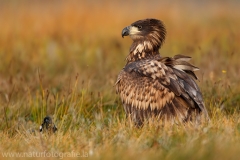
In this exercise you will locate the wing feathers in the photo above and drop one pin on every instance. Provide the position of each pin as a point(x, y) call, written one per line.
point(160, 87)
point(180, 57)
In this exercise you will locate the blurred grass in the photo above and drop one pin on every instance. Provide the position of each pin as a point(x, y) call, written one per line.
point(61, 58)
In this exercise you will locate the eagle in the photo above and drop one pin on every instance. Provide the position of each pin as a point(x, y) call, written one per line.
point(155, 87)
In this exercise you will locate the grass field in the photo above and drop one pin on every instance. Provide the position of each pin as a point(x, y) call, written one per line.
point(62, 58)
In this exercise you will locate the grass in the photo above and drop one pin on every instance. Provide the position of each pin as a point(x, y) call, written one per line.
point(62, 59)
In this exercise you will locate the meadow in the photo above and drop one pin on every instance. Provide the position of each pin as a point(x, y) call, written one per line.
point(62, 58)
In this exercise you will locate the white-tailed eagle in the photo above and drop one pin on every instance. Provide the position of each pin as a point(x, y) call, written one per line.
point(151, 86)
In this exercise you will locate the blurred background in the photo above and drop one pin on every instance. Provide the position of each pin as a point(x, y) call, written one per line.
point(45, 46)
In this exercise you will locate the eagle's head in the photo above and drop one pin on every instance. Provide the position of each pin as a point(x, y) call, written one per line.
point(151, 30)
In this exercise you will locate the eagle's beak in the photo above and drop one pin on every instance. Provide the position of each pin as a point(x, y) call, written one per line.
point(125, 31)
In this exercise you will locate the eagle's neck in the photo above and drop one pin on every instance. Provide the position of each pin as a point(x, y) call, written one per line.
point(142, 50)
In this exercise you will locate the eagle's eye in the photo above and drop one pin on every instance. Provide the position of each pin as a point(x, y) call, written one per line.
point(139, 27)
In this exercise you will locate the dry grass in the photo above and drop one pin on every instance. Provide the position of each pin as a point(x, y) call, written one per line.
point(61, 58)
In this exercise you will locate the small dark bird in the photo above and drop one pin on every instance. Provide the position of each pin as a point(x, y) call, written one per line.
point(151, 86)
point(48, 126)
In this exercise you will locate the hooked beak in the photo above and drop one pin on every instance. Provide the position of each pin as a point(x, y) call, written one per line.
point(125, 31)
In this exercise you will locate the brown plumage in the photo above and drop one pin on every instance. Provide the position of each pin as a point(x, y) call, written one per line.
point(151, 86)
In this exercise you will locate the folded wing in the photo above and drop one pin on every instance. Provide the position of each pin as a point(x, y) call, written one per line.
point(162, 87)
